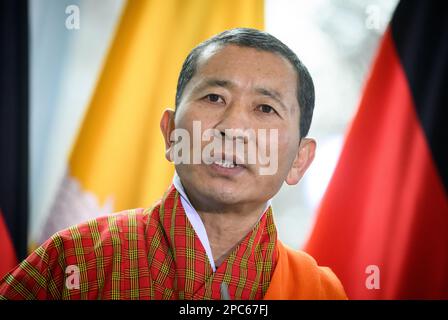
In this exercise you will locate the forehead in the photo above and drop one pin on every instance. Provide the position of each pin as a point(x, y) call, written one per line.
point(247, 67)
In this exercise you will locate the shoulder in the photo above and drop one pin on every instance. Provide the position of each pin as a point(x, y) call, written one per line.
point(43, 273)
point(116, 225)
point(108, 233)
point(121, 221)
point(308, 279)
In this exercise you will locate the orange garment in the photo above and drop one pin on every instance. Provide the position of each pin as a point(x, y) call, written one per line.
point(297, 276)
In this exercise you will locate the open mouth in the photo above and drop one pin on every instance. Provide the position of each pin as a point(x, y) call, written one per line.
point(225, 164)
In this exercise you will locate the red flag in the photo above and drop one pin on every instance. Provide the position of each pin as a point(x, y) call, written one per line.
point(383, 222)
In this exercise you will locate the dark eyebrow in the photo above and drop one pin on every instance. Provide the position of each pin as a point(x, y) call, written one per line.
point(213, 82)
point(273, 95)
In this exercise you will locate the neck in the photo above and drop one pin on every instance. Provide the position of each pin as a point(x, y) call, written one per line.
point(226, 226)
point(225, 230)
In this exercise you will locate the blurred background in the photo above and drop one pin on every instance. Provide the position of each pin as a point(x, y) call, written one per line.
point(98, 75)
point(335, 39)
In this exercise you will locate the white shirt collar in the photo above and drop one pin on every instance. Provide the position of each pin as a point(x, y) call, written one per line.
point(196, 220)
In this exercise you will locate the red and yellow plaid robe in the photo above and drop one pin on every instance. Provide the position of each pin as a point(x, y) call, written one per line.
point(155, 254)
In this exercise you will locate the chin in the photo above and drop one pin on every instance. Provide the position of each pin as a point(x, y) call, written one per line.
point(224, 194)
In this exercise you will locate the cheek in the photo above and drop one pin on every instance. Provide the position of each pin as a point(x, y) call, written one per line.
point(192, 114)
point(287, 148)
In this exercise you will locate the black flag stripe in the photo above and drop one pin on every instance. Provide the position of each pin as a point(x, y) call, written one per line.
point(14, 120)
point(420, 33)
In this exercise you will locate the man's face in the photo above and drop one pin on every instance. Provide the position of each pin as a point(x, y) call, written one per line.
point(240, 88)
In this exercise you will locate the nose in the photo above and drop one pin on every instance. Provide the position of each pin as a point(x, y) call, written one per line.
point(235, 117)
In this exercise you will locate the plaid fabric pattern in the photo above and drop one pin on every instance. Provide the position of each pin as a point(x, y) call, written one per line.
point(143, 254)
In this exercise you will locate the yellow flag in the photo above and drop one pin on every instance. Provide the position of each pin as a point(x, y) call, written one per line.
point(118, 159)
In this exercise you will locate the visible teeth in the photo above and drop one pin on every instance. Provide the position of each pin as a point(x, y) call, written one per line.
point(225, 164)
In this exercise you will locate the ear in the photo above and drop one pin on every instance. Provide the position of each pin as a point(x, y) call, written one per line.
point(302, 161)
point(167, 127)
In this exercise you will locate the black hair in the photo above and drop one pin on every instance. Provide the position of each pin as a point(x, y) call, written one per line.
point(260, 40)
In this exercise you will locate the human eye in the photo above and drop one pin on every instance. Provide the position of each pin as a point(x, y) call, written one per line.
point(265, 108)
point(214, 98)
